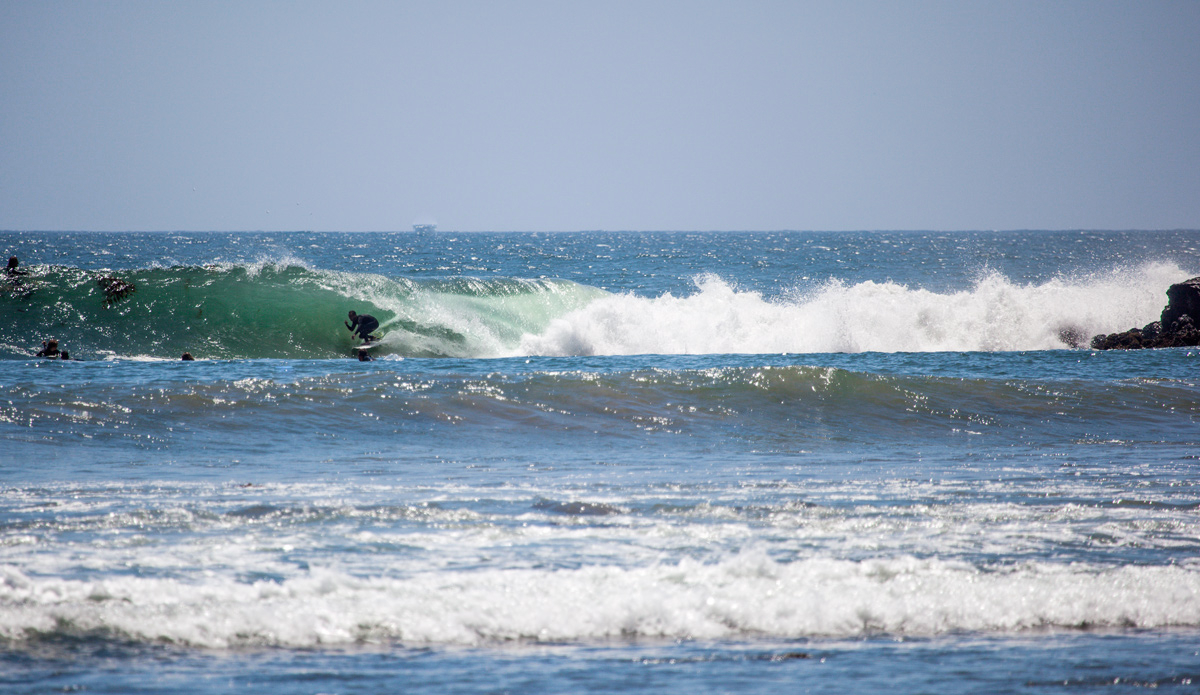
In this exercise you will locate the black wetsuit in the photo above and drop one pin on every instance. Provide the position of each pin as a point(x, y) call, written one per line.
point(363, 324)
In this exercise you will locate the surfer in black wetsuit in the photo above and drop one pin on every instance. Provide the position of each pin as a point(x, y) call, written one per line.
point(14, 275)
point(49, 348)
point(362, 325)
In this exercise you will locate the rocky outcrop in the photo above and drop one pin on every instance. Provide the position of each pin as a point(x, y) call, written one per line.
point(1178, 326)
point(1183, 299)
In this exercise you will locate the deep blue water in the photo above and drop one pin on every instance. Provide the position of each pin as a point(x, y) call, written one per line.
point(596, 462)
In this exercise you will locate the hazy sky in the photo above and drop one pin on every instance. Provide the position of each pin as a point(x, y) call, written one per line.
point(602, 115)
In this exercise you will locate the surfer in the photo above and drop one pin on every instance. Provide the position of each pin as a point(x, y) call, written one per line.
point(49, 348)
point(362, 325)
point(14, 276)
point(115, 289)
point(364, 356)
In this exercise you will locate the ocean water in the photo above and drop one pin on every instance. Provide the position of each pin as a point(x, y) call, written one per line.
point(598, 462)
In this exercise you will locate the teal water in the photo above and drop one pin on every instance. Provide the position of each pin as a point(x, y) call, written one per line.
point(598, 462)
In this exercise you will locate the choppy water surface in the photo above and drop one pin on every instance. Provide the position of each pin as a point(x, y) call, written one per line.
point(600, 462)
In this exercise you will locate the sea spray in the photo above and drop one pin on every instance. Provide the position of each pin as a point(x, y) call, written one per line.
point(993, 315)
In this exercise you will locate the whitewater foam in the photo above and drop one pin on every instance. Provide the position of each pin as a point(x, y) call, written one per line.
point(996, 314)
point(743, 596)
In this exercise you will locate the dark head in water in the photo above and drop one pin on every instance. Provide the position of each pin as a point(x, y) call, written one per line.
point(12, 264)
point(187, 357)
point(364, 356)
point(49, 348)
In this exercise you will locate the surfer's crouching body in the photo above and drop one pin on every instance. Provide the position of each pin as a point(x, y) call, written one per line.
point(362, 325)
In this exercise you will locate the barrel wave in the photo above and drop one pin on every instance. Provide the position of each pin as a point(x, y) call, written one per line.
point(271, 310)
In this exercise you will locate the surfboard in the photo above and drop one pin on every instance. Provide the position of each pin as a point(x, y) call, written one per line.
point(368, 346)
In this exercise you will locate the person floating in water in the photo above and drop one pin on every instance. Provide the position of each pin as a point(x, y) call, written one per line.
point(362, 325)
point(49, 348)
point(12, 269)
point(364, 356)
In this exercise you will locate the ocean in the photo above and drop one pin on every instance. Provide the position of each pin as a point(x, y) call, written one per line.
point(741, 462)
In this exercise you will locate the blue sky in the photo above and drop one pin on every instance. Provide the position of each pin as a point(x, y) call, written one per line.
point(545, 116)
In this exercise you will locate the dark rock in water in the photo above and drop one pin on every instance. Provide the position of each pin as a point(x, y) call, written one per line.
point(1183, 324)
point(1184, 333)
point(1072, 336)
point(1129, 340)
point(1183, 299)
point(1178, 326)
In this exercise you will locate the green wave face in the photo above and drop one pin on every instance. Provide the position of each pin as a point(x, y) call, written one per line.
point(272, 311)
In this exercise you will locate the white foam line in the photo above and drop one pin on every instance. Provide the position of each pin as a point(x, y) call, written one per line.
point(744, 597)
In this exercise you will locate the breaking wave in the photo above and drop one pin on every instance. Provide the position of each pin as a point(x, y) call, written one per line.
point(748, 595)
point(993, 315)
point(284, 310)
